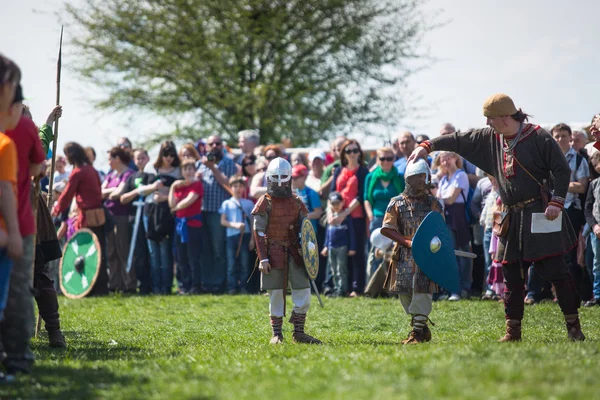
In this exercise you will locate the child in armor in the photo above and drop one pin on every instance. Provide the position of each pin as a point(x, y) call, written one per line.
point(402, 218)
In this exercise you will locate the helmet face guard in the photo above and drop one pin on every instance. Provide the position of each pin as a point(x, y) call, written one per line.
point(279, 178)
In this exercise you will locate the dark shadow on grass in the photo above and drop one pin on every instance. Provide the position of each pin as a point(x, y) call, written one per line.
point(91, 350)
point(62, 382)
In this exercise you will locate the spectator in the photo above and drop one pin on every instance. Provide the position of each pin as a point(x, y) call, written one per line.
point(141, 256)
point(248, 141)
point(469, 168)
point(309, 197)
point(158, 221)
point(297, 159)
point(118, 238)
point(327, 176)
point(453, 191)
point(595, 133)
point(16, 252)
point(580, 175)
point(60, 173)
point(349, 181)
point(405, 144)
point(125, 144)
point(215, 173)
point(91, 153)
point(185, 200)
point(380, 186)
point(316, 160)
point(578, 141)
point(259, 183)
point(248, 171)
point(84, 185)
point(189, 151)
point(340, 243)
point(421, 138)
point(592, 216)
point(236, 217)
point(486, 220)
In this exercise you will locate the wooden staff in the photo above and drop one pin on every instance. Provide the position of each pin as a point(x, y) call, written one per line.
point(55, 141)
point(36, 186)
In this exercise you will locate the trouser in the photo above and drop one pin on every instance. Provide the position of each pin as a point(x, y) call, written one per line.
point(161, 262)
point(45, 295)
point(487, 239)
point(141, 261)
point(214, 270)
point(577, 220)
point(118, 241)
point(101, 285)
point(552, 269)
point(465, 266)
point(300, 298)
point(17, 327)
point(237, 267)
point(189, 266)
point(358, 260)
point(323, 276)
point(416, 303)
point(372, 262)
point(338, 262)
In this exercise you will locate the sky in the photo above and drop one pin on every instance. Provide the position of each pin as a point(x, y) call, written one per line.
point(543, 53)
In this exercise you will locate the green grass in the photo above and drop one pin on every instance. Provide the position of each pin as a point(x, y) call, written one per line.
point(217, 348)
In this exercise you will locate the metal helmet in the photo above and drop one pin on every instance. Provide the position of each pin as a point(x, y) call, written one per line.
point(279, 178)
point(379, 241)
point(417, 167)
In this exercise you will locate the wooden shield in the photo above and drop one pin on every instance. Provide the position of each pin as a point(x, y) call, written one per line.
point(310, 249)
point(80, 265)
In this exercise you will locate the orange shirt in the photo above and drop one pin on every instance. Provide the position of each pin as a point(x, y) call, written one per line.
point(8, 167)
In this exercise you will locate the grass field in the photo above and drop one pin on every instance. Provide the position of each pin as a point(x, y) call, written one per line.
point(208, 347)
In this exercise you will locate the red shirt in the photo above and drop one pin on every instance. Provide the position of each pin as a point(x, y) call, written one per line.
point(193, 210)
point(29, 152)
point(84, 185)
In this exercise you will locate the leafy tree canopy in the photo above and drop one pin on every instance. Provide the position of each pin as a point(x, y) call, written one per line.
point(304, 69)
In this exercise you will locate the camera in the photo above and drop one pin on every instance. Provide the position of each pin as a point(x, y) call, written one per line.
point(211, 157)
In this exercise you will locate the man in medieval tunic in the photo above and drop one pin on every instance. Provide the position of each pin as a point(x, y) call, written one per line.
point(522, 157)
point(402, 218)
point(278, 216)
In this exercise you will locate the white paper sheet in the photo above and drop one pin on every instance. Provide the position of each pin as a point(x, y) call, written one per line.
point(540, 224)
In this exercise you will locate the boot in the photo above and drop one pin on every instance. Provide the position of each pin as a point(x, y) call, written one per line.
point(299, 336)
point(574, 328)
point(513, 331)
point(276, 324)
point(421, 332)
point(56, 339)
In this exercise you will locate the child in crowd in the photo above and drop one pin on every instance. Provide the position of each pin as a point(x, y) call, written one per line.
point(486, 220)
point(592, 217)
point(309, 197)
point(236, 216)
point(339, 244)
point(185, 200)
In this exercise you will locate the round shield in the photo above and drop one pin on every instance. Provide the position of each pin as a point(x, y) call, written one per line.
point(80, 265)
point(310, 249)
point(379, 241)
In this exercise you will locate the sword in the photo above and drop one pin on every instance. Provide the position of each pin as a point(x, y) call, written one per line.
point(317, 293)
point(138, 216)
point(466, 254)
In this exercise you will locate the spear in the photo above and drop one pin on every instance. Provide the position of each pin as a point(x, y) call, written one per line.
point(36, 186)
point(55, 141)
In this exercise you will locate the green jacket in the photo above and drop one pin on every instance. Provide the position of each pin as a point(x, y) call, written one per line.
point(46, 137)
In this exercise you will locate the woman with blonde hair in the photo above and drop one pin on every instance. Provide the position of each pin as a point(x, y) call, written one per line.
point(453, 191)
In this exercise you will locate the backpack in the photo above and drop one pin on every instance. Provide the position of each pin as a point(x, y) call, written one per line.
point(468, 214)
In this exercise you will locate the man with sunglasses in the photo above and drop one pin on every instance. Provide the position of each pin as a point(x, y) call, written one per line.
point(215, 171)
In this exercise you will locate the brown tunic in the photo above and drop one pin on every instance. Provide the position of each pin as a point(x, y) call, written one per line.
point(404, 217)
point(539, 153)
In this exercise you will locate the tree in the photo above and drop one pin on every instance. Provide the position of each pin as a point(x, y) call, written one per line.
point(305, 69)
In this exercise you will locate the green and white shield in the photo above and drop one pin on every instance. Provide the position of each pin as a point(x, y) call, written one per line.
point(310, 249)
point(80, 265)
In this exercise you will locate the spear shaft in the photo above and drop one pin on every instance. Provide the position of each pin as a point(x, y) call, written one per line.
point(55, 141)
